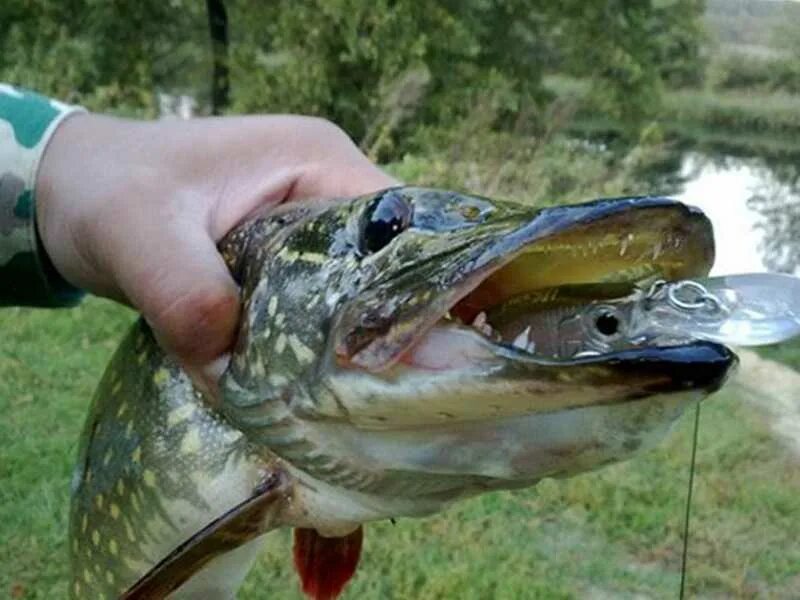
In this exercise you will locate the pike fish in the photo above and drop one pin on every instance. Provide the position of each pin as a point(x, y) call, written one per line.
point(387, 365)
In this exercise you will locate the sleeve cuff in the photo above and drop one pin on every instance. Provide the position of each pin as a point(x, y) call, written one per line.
point(27, 275)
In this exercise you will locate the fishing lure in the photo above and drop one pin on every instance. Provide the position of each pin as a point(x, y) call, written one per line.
point(741, 310)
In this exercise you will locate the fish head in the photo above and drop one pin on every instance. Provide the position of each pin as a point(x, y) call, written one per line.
point(368, 360)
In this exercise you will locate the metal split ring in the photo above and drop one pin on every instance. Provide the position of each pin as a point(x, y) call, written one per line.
point(703, 298)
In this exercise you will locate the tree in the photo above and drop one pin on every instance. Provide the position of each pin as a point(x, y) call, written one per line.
point(353, 61)
point(337, 58)
point(108, 56)
point(218, 30)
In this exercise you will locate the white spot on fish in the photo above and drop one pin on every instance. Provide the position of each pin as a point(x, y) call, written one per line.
point(179, 414)
point(160, 377)
point(278, 380)
point(301, 351)
point(149, 478)
point(190, 443)
point(313, 257)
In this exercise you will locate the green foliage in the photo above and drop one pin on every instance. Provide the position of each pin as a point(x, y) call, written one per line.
point(630, 49)
point(765, 125)
point(786, 35)
point(109, 56)
point(381, 69)
point(777, 113)
point(761, 74)
point(343, 59)
point(750, 23)
point(534, 170)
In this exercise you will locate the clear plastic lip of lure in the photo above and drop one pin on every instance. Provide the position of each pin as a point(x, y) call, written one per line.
point(740, 310)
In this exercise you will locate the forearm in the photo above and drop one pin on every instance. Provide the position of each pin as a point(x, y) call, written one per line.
point(27, 277)
point(133, 210)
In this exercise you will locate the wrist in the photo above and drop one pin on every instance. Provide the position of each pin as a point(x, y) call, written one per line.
point(27, 125)
point(91, 176)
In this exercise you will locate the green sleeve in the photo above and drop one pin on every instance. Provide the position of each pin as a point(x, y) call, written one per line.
point(27, 276)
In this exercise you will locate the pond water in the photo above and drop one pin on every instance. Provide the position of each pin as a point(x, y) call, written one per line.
point(722, 190)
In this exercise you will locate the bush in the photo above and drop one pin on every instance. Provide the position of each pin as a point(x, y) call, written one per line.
point(738, 71)
point(541, 166)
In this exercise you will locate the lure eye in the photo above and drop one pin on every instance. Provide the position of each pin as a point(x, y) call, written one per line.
point(607, 323)
point(389, 216)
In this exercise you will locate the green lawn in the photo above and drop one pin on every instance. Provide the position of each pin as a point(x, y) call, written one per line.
point(615, 533)
point(787, 352)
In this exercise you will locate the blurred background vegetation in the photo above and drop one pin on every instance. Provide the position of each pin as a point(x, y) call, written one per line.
point(537, 100)
point(543, 102)
point(520, 84)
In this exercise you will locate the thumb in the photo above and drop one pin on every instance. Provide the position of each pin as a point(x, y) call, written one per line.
point(185, 292)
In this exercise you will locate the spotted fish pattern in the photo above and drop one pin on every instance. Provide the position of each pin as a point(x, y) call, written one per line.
point(156, 466)
point(27, 277)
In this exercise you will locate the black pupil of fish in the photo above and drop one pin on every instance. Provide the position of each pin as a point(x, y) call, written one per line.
point(389, 218)
point(607, 324)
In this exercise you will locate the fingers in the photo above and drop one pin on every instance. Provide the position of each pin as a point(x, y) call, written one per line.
point(184, 290)
point(340, 169)
point(341, 177)
point(262, 161)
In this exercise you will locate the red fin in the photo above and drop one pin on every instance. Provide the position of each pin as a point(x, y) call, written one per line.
point(325, 565)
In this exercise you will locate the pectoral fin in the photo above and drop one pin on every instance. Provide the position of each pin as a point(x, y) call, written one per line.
point(241, 524)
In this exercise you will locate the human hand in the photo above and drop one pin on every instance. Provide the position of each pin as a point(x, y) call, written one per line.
point(133, 210)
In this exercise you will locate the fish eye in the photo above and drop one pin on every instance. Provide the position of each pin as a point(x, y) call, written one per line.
point(387, 217)
point(607, 323)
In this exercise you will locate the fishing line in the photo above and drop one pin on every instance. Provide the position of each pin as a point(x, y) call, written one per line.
point(689, 500)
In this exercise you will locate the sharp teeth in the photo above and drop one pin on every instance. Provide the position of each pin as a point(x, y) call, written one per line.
point(481, 324)
point(521, 341)
point(531, 347)
point(448, 316)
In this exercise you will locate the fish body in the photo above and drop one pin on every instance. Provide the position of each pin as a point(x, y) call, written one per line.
point(368, 383)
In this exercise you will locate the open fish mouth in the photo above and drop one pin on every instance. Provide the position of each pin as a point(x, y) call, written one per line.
point(510, 314)
point(516, 293)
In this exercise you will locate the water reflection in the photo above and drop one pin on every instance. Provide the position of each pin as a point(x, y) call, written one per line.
point(722, 190)
point(778, 204)
point(755, 212)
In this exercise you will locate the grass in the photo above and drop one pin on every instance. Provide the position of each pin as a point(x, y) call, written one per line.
point(613, 533)
point(787, 353)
